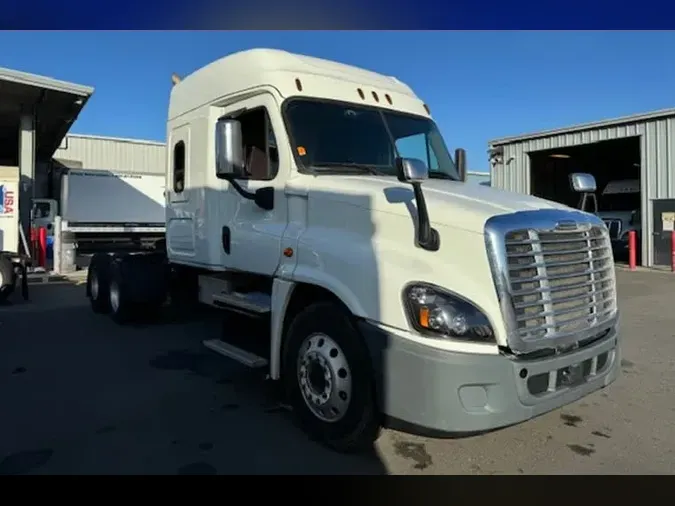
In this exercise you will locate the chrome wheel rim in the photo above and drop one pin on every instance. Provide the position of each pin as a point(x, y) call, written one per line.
point(324, 377)
point(114, 296)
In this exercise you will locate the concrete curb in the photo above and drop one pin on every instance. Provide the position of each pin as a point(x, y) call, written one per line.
point(656, 270)
point(55, 279)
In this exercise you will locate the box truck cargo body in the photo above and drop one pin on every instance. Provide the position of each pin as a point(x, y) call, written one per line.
point(102, 207)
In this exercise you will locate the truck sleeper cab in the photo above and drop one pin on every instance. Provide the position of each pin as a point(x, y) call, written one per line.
point(322, 199)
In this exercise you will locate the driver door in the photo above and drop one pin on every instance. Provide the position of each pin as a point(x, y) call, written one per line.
point(254, 234)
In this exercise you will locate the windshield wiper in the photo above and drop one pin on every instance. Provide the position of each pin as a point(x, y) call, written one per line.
point(360, 167)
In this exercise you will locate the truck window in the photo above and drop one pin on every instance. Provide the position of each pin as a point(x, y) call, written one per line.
point(260, 147)
point(417, 146)
point(619, 201)
point(179, 167)
point(41, 210)
point(332, 135)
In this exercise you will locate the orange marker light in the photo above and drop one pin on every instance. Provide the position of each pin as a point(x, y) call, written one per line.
point(424, 317)
point(301, 151)
point(288, 252)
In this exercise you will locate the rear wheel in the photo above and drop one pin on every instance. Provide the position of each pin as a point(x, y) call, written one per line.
point(98, 284)
point(7, 278)
point(328, 379)
point(122, 308)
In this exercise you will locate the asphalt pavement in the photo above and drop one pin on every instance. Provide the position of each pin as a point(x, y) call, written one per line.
point(80, 395)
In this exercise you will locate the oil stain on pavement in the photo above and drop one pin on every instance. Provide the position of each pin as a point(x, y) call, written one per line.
point(415, 452)
point(581, 450)
point(571, 420)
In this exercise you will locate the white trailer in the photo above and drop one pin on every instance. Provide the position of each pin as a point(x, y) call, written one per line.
point(101, 208)
point(13, 263)
point(322, 199)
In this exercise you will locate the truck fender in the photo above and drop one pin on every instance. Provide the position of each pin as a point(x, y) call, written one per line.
point(282, 291)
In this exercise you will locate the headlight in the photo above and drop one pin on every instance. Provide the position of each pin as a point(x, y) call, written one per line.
point(437, 313)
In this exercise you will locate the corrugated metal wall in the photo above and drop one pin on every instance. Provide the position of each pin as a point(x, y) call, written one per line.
point(119, 155)
point(657, 172)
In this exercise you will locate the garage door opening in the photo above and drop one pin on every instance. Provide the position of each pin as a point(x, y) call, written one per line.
point(616, 167)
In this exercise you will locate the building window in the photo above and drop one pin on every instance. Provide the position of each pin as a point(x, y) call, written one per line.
point(179, 167)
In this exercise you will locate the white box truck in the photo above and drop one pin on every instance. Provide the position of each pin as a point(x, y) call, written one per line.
point(321, 198)
point(104, 208)
point(13, 263)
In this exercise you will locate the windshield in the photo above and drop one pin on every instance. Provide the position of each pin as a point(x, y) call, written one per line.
point(344, 138)
point(619, 202)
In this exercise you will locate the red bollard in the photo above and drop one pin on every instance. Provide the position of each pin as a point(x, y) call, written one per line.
point(42, 241)
point(672, 251)
point(34, 243)
point(632, 262)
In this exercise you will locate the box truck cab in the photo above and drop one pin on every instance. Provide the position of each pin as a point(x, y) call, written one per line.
point(323, 198)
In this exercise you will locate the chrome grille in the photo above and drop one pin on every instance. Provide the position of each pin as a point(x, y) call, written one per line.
point(560, 281)
point(614, 227)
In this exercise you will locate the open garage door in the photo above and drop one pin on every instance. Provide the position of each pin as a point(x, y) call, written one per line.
point(616, 167)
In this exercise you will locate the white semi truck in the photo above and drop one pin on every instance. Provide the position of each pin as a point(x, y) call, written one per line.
point(322, 198)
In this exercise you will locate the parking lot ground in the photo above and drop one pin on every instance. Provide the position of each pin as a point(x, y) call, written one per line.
point(80, 395)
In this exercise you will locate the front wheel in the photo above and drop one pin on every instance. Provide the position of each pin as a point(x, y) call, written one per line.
point(328, 379)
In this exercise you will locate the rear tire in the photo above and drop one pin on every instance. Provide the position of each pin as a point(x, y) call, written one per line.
point(98, 283)
point(122, 308)
point(7, 278)
point(328, 379)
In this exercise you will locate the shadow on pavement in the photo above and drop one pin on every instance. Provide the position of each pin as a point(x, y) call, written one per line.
point(81, 395)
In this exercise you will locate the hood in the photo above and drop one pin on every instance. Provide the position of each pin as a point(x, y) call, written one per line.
point(461, 205)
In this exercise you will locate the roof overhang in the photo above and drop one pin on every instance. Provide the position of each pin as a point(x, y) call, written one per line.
point(54, 104)
point(614, 122)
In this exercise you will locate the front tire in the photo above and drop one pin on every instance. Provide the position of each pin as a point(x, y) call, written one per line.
point(328, 379)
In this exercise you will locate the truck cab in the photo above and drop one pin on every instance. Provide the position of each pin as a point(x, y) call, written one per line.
point(619, 206)
point(44, 212)
point(322, 199)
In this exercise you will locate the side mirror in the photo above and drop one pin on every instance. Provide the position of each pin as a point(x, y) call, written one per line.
point(229, 149)
point(582, 182)
point(460, 163)
point(411, 170)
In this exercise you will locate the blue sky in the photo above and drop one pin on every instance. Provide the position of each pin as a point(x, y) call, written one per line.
point(479, 85)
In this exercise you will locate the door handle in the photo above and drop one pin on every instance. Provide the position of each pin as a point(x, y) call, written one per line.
point(225, 237)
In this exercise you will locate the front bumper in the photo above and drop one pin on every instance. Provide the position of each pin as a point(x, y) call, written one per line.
point(452, 392)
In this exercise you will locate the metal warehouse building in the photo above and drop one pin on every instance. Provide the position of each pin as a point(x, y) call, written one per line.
point(110, 153)
point(639, 147)
point(90, 152)
point(36, 113)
